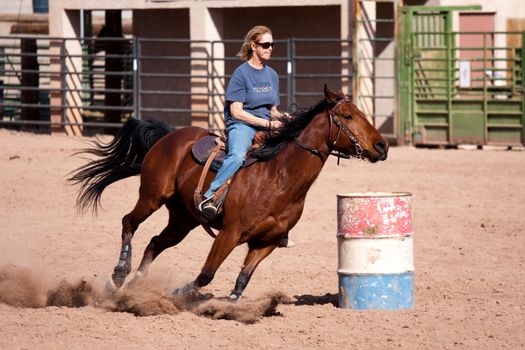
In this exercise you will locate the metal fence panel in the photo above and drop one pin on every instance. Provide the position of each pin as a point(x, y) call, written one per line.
point(95, 84)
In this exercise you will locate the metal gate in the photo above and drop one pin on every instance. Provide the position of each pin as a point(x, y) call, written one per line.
point(94, 84)
point(456, 93)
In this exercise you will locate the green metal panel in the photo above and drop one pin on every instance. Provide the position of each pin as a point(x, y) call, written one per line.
point(435, 108)
point(404, 77)
point(465, 130)
point(430, 69)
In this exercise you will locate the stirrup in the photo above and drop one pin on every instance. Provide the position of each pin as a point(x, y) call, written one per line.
point(208, 209)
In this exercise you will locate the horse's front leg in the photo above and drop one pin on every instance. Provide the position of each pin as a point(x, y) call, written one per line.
point(223, 245)
point(252, 260)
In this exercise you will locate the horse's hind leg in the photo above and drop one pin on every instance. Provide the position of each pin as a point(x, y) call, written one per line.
point(252, 260)
point(145, 206)
point(179, 225)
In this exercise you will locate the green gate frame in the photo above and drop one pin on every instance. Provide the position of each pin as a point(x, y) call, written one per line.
point(439, 112)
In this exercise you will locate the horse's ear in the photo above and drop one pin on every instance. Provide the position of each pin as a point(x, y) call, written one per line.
point(332, 96)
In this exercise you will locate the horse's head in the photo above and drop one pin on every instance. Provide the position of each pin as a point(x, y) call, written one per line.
point(354, 134)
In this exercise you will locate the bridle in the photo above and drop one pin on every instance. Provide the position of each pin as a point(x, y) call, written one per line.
point(334, 119)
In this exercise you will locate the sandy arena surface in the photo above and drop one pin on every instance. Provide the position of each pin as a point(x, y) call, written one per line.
point(469, 218)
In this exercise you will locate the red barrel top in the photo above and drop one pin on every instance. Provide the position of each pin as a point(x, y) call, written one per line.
point(374, 215)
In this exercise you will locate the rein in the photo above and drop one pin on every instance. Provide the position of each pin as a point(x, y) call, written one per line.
point(333, 118)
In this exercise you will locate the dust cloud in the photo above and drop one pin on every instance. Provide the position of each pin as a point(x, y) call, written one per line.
point(20, 286)
point(23, 287)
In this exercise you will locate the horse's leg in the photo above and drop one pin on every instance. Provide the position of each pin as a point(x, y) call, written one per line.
point(179, 225)
point(130, 222)
point(252, 260)
point(223, 245)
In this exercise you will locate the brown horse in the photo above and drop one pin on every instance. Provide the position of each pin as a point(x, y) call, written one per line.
point(264, 203)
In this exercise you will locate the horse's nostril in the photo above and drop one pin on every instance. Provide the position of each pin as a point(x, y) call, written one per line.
point(380, 146)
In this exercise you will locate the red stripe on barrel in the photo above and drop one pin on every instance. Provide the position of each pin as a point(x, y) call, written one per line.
point(375, 216)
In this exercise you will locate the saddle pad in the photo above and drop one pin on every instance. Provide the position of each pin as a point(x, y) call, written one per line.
point(202, 149)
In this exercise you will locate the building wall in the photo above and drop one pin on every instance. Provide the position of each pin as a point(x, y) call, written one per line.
point(13, 12)
point(31, 23)
point(16, 6)
point(502, 9)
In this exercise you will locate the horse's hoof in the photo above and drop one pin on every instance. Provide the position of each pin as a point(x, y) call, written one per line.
point(235, 298)
point(118, 279)
point(119, 275)
point(184, 291)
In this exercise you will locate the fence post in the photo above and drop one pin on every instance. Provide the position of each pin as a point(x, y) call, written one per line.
point(56, 83)
point(63, 83)
point(30, 77)
point(523, 88)
point(136, 86)
point(289, 74)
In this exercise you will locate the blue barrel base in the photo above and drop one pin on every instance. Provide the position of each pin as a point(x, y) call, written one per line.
point(376, 291)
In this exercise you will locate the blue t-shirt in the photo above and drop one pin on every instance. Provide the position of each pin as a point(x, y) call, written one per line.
point(257, 89)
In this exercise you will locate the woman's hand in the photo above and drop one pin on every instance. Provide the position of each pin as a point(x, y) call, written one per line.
point(285, 116)
point(274, 125)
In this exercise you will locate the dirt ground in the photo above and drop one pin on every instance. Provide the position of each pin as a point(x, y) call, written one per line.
point(469, 221)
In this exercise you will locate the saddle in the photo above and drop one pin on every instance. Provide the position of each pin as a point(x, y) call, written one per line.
point(203, 148)
point(210, 151)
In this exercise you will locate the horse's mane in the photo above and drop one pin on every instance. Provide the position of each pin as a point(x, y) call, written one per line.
point(291, 129)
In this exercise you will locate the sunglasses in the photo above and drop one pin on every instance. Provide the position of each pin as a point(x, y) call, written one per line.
point(266, 45)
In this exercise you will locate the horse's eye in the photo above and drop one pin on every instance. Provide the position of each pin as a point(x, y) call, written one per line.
point(347, 116)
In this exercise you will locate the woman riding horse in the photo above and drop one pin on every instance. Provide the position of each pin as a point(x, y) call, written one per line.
point(264, 203)
point(252, 98)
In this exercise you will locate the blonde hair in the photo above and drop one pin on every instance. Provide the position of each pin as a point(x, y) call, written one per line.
point(253, 36)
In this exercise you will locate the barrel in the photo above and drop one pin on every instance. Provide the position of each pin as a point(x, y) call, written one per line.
point(375, 251)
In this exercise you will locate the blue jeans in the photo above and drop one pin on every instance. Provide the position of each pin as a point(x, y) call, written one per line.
point(240, 139)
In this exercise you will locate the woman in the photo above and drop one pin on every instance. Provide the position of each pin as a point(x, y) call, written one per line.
point(252, 98)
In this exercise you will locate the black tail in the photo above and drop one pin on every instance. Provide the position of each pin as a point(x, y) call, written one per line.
point(117, 160)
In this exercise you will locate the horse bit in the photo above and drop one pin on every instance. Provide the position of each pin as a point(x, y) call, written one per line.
point(342, 128)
